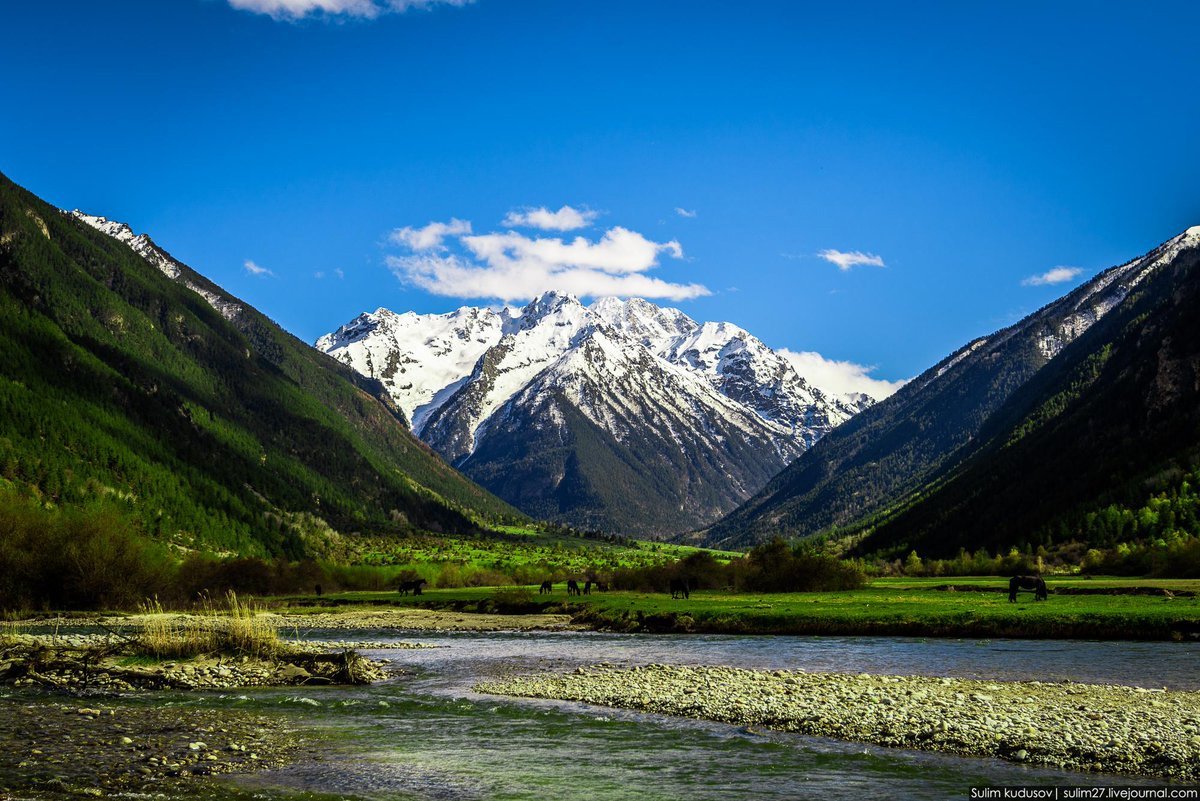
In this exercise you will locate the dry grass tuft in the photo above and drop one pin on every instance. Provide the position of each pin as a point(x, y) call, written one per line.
point(233, 628)
point(11, 634)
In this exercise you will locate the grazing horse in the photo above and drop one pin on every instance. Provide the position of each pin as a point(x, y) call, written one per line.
point(413, 586)
point(679, 588)
point(1035, 583)
point(573, 587)
point(546, 588)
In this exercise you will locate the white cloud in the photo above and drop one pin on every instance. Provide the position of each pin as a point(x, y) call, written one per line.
point(510, 266)
point(318, 275)
point(565, 219)
point(839, 378)
point(847, 259)
point(340, 273)
point(682, 212)
point(363, 9)
point(431, 236)
point(254, 269)
point(618, 251)
point(1056, 275)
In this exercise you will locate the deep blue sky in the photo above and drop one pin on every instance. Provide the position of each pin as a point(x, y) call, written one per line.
point(969, 147)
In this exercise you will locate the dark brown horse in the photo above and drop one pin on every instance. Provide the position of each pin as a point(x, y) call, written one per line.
point(573, 587)
point(546, 588)
point(413, 586)
point(1035, 583)
point(679, 588)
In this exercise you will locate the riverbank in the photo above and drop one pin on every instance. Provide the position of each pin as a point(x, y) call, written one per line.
point(1100, 728)
point(66, 746)
point(1078, 608)
point(411, 618)
point(114, 662)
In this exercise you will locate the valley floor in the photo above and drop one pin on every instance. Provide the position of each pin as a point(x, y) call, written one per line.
point(1097, 608)
point(67, 740)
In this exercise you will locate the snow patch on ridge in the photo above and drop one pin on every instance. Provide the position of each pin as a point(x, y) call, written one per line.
point(142, 245)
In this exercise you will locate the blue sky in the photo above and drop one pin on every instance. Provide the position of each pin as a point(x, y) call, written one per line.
point(969, 148)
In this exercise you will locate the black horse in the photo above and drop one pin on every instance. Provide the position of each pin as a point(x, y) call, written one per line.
point(679, 588)
point(587, 587)
point(573, 587)
point(546, 588)
point(413, 586)
point(1035, 583)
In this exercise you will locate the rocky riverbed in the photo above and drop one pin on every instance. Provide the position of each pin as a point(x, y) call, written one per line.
point(420, 620)
point(89, 663)
point(1104, 728)
point(77, 747)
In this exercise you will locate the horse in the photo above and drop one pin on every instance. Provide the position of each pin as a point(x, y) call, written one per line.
point(679, 588)
point(320, 592)
point(587, 587)
point(413, 586)
point(573, 587)
point(1035, 583)
point(546, 588)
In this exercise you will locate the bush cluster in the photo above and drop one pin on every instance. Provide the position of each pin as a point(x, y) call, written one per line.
point(772, 567)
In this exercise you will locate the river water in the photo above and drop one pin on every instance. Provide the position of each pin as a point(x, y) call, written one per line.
point(426, 735)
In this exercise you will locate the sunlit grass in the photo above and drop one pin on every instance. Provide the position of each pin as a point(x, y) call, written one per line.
point(884, 606)
point(233, 627)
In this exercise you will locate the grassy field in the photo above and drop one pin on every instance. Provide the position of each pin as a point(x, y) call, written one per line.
point(515, 551)
point(1099, 608)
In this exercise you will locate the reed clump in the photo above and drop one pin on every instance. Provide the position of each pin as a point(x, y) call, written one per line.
point(232, 627)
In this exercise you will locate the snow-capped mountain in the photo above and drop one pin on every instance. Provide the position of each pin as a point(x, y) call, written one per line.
point(560, 407)
point(144, 246)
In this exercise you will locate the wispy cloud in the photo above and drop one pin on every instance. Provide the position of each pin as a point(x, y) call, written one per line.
point(853, 258)
point(839, 378)
point(254, 269)
point(1055, 275)
point(431, 236)
point(565, 219)
point(362, 9)
point(511, 266)
point(682, 212)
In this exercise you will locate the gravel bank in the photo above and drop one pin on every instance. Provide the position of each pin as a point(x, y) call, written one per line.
point(81, 748)
point(1106, 728)
point(420, 620)
point(88, 663)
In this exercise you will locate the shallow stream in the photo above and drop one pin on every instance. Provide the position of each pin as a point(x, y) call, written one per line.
point(428, 736)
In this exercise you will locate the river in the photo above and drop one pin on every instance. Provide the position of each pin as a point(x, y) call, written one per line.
point(426, 735)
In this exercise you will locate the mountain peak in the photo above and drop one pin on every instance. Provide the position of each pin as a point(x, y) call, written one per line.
point(702, 414)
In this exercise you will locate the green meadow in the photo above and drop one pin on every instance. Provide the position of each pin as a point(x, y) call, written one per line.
point(1098, 608)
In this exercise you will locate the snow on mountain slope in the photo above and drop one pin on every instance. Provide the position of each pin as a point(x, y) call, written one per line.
point(707, 401)
point(421, 359)
point(144, 246)
point(424, 359)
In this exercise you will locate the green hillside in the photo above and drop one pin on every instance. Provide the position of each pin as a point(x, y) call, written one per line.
point(1102, 446)
point(117, 382)
point(906, 446)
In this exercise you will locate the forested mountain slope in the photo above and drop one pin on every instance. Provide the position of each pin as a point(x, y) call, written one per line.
point(1101, 446)
point(131, 377)
point(901, 445)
